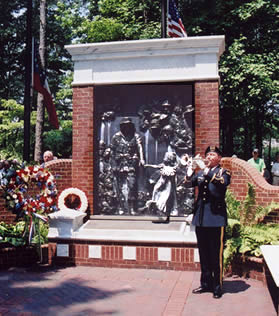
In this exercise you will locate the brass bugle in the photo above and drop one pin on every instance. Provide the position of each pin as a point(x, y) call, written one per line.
point(197, 160)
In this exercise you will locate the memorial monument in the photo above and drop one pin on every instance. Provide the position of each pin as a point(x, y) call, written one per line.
point(138, 106)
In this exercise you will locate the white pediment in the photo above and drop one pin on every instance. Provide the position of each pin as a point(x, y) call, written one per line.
point(147, 61)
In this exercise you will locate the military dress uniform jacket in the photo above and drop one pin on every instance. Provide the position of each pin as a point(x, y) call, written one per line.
point(210, 206)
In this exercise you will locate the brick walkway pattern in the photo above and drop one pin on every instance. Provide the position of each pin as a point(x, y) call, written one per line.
point(88, 291)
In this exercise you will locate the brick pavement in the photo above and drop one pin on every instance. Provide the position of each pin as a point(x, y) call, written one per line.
point(86, 291)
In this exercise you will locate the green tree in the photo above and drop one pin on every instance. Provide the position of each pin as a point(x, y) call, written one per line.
point(113, 20)
point(11, 129)
point(12, 35)
point(248, 68)
point(249, 72)
point(248, 95)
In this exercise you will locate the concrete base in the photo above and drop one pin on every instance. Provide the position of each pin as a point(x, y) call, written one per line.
point(136, 230)
point(132, 229)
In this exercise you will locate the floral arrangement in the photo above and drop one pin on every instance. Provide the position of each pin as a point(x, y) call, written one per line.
point(72, 199)
point(15, 183)
point(15, 179)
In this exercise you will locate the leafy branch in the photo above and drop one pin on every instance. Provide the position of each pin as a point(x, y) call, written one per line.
point(246, 231)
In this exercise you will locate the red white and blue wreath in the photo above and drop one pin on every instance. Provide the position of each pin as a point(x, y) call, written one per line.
point(15, 181)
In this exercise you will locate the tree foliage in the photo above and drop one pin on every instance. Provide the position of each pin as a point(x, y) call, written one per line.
point(11, 132)
point(12, 26)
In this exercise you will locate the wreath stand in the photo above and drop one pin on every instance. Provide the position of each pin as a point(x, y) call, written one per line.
point(72, 205)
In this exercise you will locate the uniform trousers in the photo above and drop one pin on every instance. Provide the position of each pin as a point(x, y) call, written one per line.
point(211, 245)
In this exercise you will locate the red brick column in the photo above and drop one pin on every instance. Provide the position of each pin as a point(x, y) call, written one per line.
point(206, 115)
point(82, 163)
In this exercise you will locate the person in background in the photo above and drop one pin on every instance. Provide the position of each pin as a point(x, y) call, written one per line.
point(275, 170)
point(257, 162)
point(48, 156)
point(210, 219)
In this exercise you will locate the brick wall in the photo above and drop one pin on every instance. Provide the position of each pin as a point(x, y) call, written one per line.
point(82, 169)
point(242, 173)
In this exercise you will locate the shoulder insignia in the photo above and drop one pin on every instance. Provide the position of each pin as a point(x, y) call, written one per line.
point(218, 176)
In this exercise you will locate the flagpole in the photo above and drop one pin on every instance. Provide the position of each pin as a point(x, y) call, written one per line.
point(163, 19)
point(27, 90)
point(32, 65)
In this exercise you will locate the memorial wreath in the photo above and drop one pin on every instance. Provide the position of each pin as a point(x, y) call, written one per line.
point(72, 199)
point(16, 191)
point(15, 180)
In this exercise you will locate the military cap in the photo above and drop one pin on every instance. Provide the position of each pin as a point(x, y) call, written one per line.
point(126, 120)
point(213, 149)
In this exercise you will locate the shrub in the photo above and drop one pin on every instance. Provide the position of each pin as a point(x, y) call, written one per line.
point(246, 231)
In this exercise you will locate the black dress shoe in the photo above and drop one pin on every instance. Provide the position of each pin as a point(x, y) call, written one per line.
point(201, 289)
point(217, 293)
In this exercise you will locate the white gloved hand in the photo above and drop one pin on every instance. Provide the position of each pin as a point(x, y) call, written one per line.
point(205, 171)
point(199, 162)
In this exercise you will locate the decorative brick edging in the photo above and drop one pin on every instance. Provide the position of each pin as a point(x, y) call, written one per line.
point(175, 257)
point(242, 173)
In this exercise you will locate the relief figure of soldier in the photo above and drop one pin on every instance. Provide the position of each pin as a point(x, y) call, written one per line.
point(126, 158)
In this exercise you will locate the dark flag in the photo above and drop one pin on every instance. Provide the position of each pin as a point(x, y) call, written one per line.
point(40, 84)
point(175, 25)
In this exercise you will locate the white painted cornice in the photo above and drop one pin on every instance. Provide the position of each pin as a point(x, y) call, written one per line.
point(147, 61)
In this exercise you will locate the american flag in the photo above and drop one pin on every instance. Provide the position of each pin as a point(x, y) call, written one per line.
point(175, 25)
point(41, 85)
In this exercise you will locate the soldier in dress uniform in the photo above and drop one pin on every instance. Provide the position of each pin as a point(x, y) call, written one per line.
point(210, 219)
